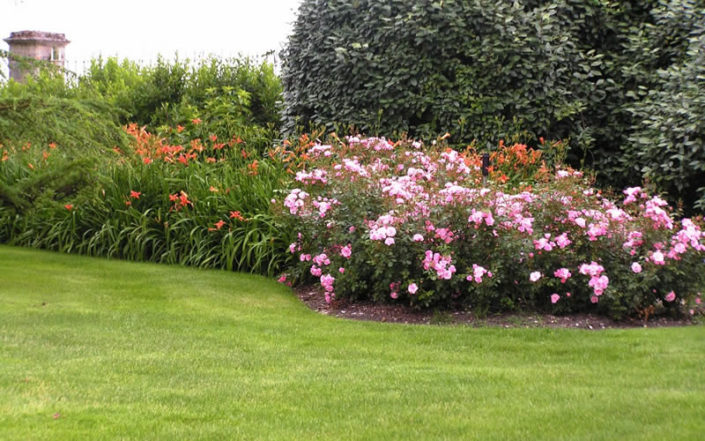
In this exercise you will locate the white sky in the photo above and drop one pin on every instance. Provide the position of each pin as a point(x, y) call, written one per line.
point(140, 30)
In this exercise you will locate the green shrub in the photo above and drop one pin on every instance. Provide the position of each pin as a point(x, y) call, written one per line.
point(668, 141)
point(48, 109)
point(401, 222)
point(168, 92)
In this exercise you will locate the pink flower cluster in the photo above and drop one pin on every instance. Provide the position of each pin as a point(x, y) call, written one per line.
point(598, 282)
point(295, 201)
point(441, 264)
point(383, 230)
point(435, 225)
point(318, 150)
point(478, 272)
point(327, 282)
point(562, 273)
point(477, 217)
point(324, 205)
point(312, 177)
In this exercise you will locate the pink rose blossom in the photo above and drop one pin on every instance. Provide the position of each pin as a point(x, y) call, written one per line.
point(599, 284)
point(346, 251)
point(636, 267)
point(555, 298)
point(594, 299)
point(418, 238)
point(632, 193)
point(562, 241)
point(536, 275)
point(657, 258)
point(671, 296)
point(544, 244)
point(477, 273)
point(327, 282)
point(593, 269)
point(321, 260)
point(562, 273)
point(413, 288)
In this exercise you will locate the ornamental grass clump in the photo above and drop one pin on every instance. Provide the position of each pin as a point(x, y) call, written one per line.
point(400, 222)
point(183, 196)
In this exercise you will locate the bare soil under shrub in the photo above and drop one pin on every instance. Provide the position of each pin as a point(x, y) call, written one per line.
point(312, 297)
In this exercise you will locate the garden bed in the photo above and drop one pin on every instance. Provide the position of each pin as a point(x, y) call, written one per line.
point(314, 298)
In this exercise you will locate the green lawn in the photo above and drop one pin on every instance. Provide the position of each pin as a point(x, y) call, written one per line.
point(92, 349)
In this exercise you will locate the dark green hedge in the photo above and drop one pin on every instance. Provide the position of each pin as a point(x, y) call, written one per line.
point(583, 70)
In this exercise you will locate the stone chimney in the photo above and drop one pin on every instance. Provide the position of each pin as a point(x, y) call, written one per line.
point(47, 46)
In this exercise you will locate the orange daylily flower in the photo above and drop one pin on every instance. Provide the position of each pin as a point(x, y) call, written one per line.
point(180, 200)
point(196, 145)
point(183, 199)
point(236, 215)
point(135, 194)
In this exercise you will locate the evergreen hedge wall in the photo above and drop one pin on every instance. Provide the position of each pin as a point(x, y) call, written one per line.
point(622, 80)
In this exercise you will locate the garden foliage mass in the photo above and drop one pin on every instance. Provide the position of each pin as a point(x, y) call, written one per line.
point(182, 162)
point(192, 187)
point(621, 80)
point(401, 222)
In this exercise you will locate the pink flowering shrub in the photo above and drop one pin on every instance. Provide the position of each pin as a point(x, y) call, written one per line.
point(399, 222)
